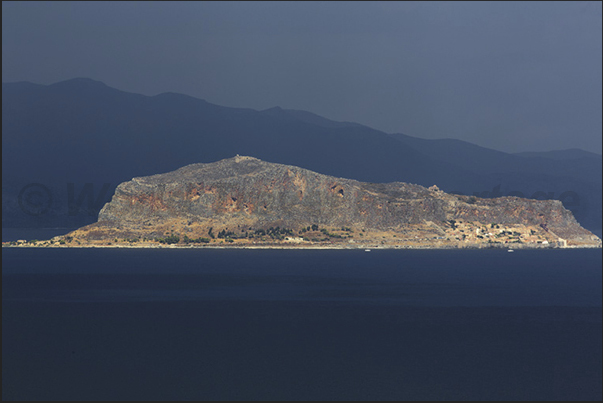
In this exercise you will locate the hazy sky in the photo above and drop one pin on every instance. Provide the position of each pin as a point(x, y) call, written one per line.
point(514, 76)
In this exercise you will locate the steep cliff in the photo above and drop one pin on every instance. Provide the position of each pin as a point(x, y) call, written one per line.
point(244, 199)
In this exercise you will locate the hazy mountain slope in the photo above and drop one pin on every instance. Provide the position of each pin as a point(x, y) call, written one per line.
point(83, 132)
point(307, 117)
point(570, 163)
point(80, 138)
point(571, 154)
point(572, 176)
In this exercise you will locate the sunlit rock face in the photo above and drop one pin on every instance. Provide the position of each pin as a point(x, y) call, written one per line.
point(245, 192)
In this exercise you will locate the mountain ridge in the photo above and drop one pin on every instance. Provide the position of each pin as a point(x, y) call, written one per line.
point(89, 135)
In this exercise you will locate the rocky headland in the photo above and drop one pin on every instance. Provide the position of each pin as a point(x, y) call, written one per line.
point(246, 202)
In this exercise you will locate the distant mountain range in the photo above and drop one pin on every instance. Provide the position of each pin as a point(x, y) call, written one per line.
point(66, 146)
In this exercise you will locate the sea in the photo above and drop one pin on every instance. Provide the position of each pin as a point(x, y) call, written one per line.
point(224, 324)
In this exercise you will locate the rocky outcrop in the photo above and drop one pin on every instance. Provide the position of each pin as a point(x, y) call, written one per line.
point(245, 192)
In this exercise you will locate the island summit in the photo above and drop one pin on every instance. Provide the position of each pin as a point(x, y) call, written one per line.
point(246, 202)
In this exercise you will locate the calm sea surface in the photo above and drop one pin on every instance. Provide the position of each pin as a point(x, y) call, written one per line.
point(133, 324)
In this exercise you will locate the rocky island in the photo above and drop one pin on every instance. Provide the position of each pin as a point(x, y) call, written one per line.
point(246, 202)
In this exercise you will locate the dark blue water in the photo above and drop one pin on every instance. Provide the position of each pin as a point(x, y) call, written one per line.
point(85, 324)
